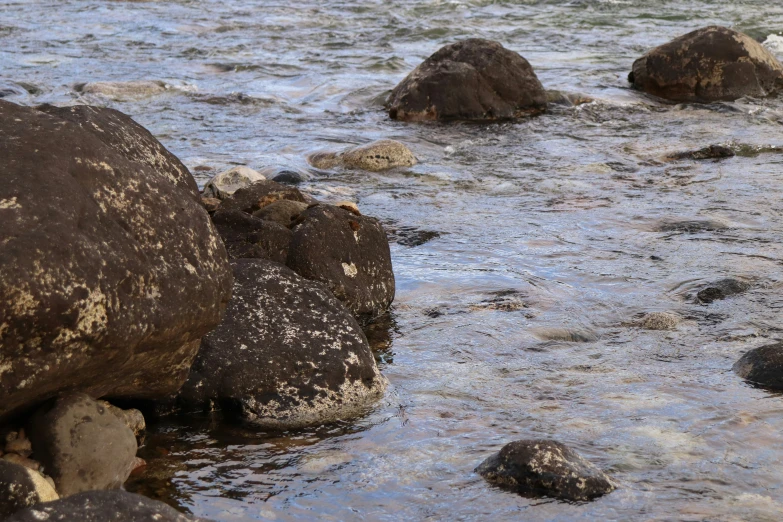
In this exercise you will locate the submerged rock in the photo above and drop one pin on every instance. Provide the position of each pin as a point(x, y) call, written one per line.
point(287, 354)
point(226, 183)
point(289, 176)
point(545, 468)
point(709, 64)
point(125, 90)
point(246, 236)
point(722, 289)
point(102, 506)
point(710, 152)
point(473, 79)
point(112, 270)
point(348, 253)
point(260, 194)
point(569, 335)
point(660, 321)
point(374, 157)
point(762, 366)
point(83, 445)
point(566, 99)
point(692, 226)
point(282, 212)
point(21, 487)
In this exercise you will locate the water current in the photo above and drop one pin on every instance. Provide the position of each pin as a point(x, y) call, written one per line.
point(535, 228)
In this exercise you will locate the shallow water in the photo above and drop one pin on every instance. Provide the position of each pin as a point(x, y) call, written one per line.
point(546, 224)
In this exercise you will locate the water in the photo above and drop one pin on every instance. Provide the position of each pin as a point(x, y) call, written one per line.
point(544, 224)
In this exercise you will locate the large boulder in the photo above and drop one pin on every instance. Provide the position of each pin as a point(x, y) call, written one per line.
point(347, 252)
point(82, 444)
point(246, 236)
point(762, 366)
point(545, 468)
point(110, 269)
point(21, 487)
point(472, 79)
point(709, 64)
point(102, 506)
point(287, 354)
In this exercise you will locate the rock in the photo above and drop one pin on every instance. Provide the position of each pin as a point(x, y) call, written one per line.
point(287, 354)
point(82, 445)
point(762, 366)
point(569, 335)
point(17, 443)
point(709, 64)
point(348, 253)
point(282, 212)
point(260, 194)
point(250, 237)
point(228, 182)
point(102, 506)
point(131, 417)
point(472, 79)
point(23, 461)
point(291, 177)
point(545, 468)
point(710, 152)
point(692, 226)
point(566, 99)
point(722, 289)
point(374, 157)
point(210, 204)
point(112, 271)
point(21, 487)
point(132, 90)
point(660, 321)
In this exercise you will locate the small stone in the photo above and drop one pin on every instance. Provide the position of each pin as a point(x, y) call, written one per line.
point(226, 183)
point(545, 468)
point(374, 157)
point(762, 366)
point(660, 321)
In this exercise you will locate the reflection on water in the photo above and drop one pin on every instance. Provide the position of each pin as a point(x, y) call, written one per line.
point(525, 253)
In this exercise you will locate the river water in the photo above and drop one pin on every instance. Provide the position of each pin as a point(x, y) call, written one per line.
point(537, 226)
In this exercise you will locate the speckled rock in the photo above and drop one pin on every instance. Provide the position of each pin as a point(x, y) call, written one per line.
point(246, 236)
point(132, 90)
point(21, 487)
point(82, 445)
point(762, 366)
point(282, 212)
point(228, 182)
point(374, 157)
point(722, 289)
point(102, 506)
point(260, 194)
point(472, 79)
point(545, 468)
point(110, 269)
point(287, 354)
point(348, 253)
point(660, 321)
point(709, 64)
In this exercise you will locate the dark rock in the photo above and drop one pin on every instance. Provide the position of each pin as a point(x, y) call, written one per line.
point(709, 64)
point(711, 152)
point(569, 335)
point(565, 99)
point(210, 204)
point(260, 194)
point(287, 354)
point(545, 468)
point(282, 212)
point(722, 289)
point(110, 270)
point(82, 445)
point(472, 79)
point(290, 177)
point(348, 253)
point(692, 226)
point(250, 237)
point(21, 487)
point(762, 366)
point(102, 506)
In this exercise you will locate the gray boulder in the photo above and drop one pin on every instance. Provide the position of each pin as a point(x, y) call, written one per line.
point(21, 487)
point(287, 354)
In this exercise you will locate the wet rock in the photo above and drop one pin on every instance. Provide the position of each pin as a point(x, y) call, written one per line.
point(374, 157)
point(709, 64)
point(282, 212)
point(102, 506)
point(290, 177)
point(246, 236)
point(566, 99)
point(82, 445)
point(762, 366)
point(545, 468)
point(710, 152)
point(287, 354)
point(131, 417)
point(350, 206)
point(260, 194)
point(473, 79)
point(228, 182)
point(722, 289)
point(111, 272)
point(692, 226)
point(660, 321)
point(21, 487)
point(568, 335)
point(132, 90)
point(210, 204)
point(348, 253)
